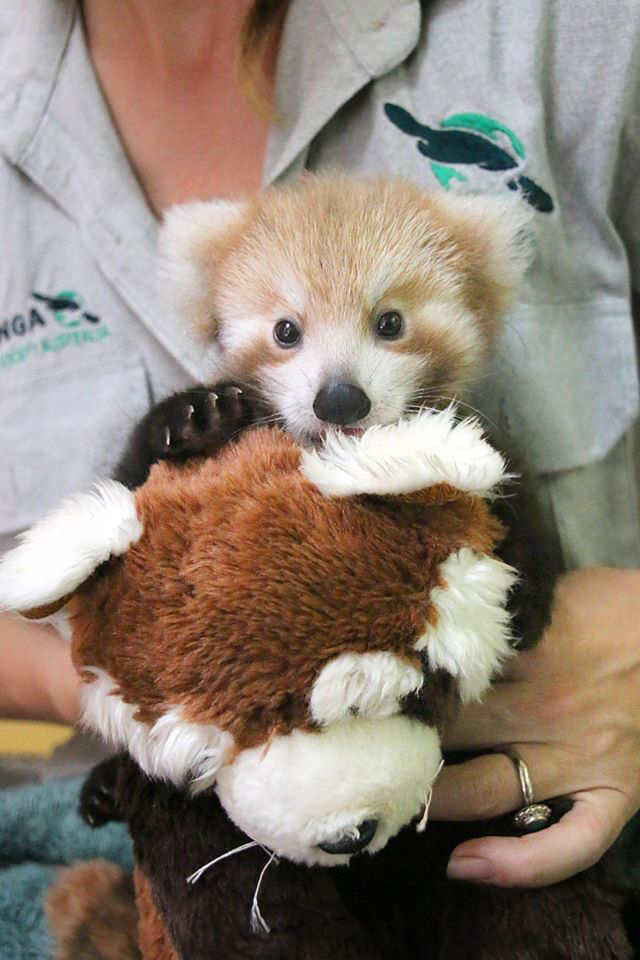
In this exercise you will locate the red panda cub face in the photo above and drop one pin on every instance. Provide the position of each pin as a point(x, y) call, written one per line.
point(347, 302)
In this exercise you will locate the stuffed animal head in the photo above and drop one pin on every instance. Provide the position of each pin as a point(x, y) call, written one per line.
point(291, 627)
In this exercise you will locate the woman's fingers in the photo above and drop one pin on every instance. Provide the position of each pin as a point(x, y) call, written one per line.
point(489, 786)
point(539, 859)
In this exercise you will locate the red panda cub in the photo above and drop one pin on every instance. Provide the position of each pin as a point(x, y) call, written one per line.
point(339, 304)
point(334, 302)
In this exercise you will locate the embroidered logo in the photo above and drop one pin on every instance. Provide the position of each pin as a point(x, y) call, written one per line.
point(65, 307)
point(471, 140)
point(28, 335)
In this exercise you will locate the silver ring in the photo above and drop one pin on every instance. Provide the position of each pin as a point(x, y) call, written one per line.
point(532, 816)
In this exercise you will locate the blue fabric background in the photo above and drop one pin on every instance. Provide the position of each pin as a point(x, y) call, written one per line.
point(40, 830)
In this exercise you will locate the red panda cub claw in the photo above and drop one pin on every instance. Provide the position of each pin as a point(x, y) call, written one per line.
point(200, 421)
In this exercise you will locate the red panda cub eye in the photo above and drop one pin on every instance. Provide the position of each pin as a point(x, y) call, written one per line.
point(389, 325)
point(286, 333)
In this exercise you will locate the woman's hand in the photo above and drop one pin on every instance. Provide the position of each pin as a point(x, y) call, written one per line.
point(37, 679)
point(571, 709)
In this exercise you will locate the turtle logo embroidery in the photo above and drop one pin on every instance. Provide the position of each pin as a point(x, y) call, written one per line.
point(65, 306)
point(471, 140)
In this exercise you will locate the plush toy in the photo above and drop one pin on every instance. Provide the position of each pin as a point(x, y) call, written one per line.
point(276, 638)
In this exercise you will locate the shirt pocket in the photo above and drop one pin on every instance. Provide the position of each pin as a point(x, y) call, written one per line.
point(564, 382)
point(61, 431)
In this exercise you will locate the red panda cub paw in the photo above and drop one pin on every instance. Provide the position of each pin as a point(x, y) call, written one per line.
point(200, 421)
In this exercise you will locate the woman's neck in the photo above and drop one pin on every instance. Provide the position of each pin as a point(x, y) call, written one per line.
point(167, 35)
point(168, 70)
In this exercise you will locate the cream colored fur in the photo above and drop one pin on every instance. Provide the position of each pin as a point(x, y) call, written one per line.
point(307, 788)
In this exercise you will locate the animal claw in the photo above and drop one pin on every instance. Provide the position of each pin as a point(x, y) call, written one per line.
point(236, 391)
point(189, 411)
point(212, 400)
point(167, 436)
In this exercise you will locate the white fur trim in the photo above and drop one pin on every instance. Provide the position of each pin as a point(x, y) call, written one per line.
point(186, 231)
point(471, 637)
point(430, 448)
point(60, 551)
point(362, 684)
point(306, 788)
point(171, 748)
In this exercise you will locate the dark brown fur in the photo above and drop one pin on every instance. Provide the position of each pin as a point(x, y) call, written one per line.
point(154, 937)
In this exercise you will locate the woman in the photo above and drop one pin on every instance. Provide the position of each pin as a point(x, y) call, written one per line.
point(110, 113)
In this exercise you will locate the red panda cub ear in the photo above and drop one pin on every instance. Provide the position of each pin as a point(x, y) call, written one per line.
point(494, 242)
point(194, 241)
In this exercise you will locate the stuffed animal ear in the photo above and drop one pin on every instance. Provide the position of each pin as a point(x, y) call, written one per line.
point(428, 449)
point(63, 549)
point(193, 240)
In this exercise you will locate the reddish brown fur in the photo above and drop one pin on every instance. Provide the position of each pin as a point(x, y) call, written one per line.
point(186, 617)
point(92, 913)
point(155, 942)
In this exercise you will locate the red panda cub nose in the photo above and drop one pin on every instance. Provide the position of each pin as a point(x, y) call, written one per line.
point(341, 403)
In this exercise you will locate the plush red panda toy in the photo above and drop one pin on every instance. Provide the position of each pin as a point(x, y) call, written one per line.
point(276, 638)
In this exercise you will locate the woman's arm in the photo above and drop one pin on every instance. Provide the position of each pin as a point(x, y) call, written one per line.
point(37, 678)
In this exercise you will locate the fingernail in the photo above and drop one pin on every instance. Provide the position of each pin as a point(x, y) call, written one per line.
point(469, 868)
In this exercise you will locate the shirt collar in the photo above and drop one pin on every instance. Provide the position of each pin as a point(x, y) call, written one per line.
point(60, 135)
point(330, 50)
point(34, 35)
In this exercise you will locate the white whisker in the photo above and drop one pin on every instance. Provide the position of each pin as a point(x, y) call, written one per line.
point(427, 802)
point(194, 877)
point(258, 923)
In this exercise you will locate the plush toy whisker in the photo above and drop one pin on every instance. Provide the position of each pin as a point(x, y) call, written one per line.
point(427, 802)
point(258, 923)
point(194, 877)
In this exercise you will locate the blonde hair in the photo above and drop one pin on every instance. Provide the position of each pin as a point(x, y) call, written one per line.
point(258, 33)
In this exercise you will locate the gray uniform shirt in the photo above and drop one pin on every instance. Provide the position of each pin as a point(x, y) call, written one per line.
point(483, 94)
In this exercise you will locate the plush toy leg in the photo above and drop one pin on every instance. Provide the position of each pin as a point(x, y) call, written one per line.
point(403, 898)
point(92, 913)
point(575, 920)
point(174, 834)
point(398, 895)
